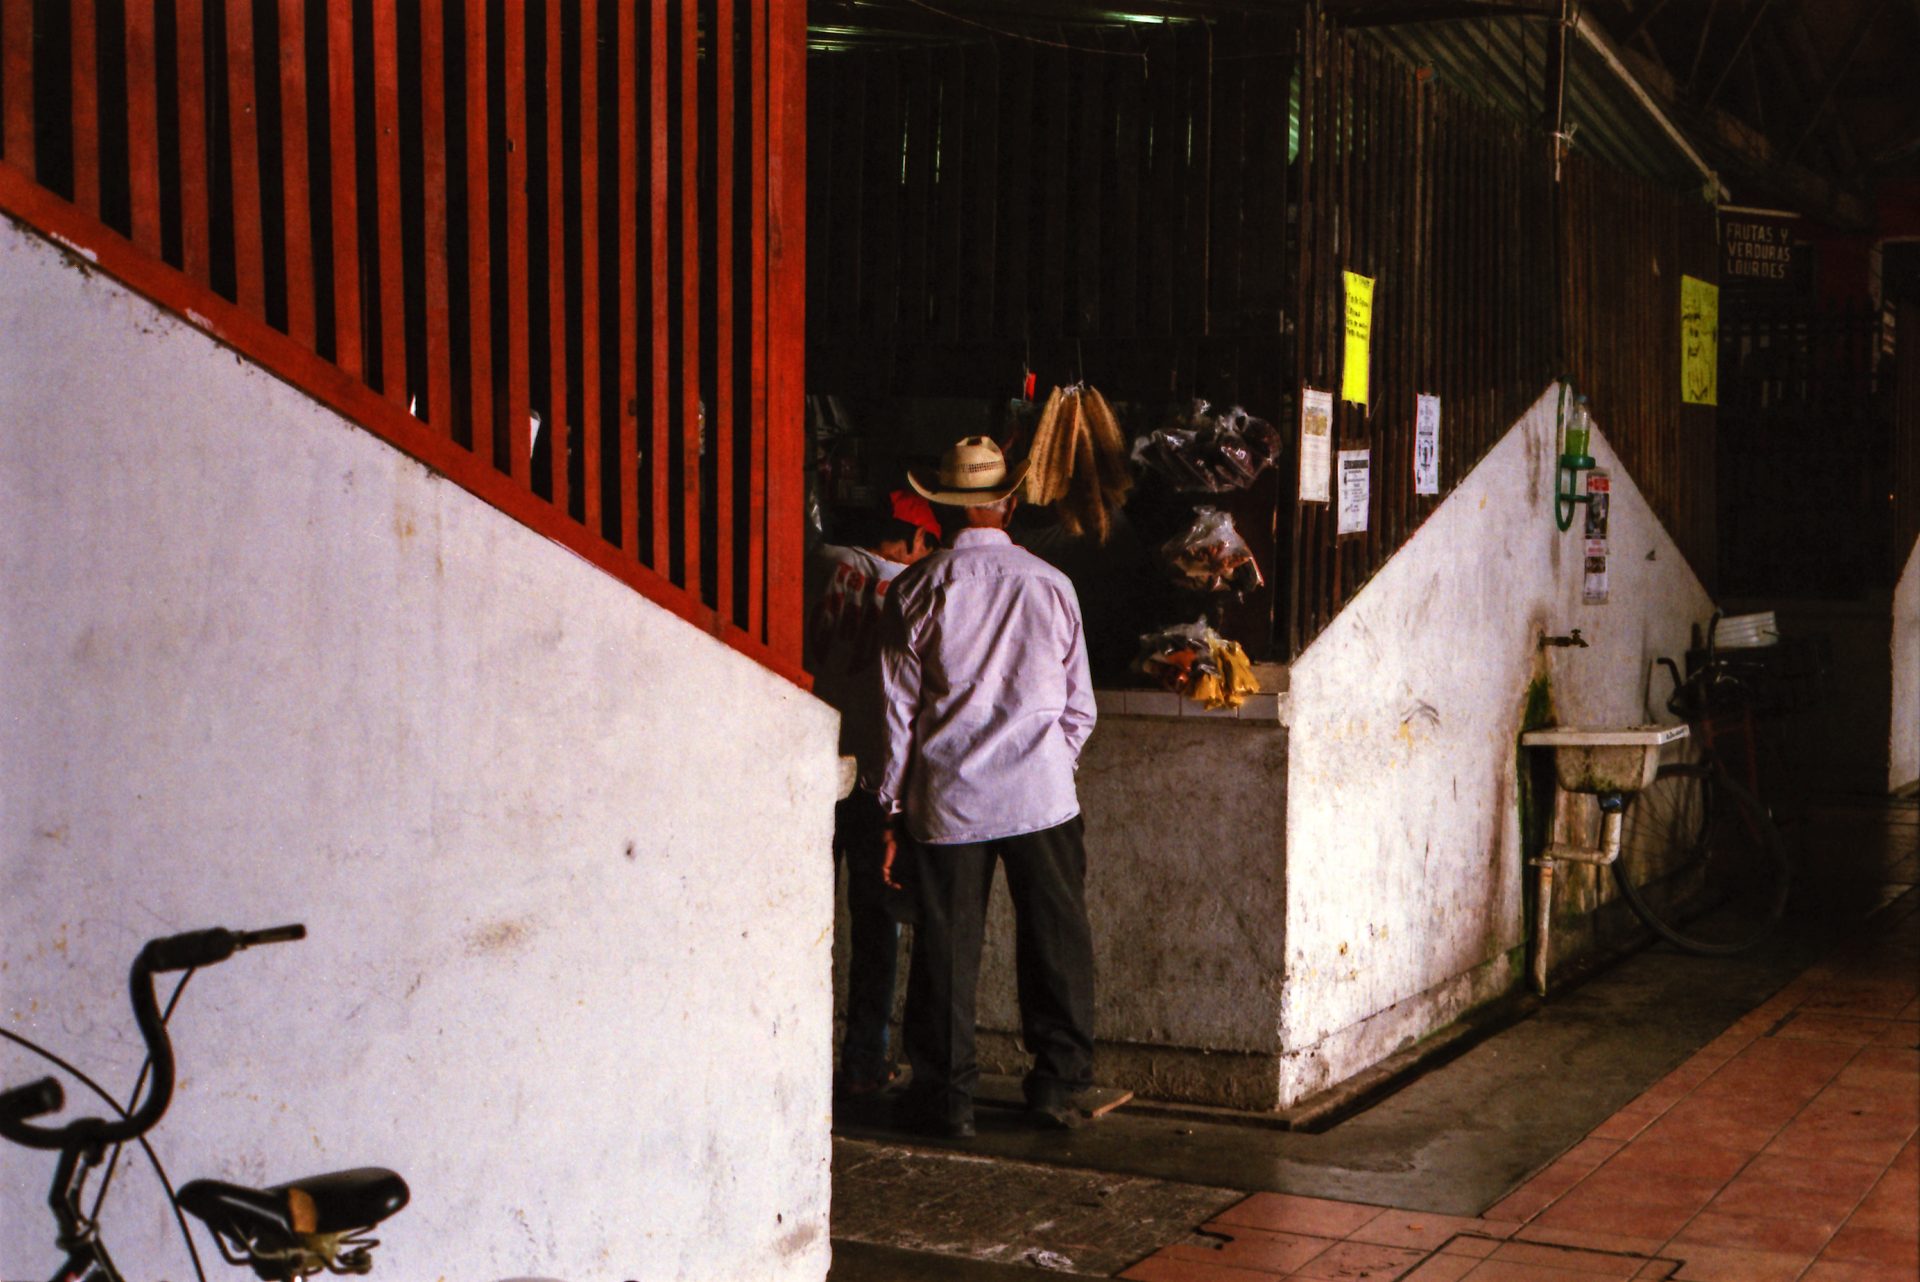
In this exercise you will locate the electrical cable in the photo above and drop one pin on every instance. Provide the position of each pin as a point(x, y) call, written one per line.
point(1016, 35)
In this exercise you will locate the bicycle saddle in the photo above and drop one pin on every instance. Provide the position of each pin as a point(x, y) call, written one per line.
point(291, 1215)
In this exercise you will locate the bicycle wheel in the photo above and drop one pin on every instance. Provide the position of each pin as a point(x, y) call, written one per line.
point(1701, 862)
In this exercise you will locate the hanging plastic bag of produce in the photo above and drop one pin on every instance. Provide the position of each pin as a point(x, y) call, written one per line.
point(1194, 661)
point(1210, 452)
point(1210, 555)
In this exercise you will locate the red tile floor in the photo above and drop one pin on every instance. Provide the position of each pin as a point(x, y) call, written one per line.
point(1784, 1149)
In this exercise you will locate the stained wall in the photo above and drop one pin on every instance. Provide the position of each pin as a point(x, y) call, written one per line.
point(561, 856)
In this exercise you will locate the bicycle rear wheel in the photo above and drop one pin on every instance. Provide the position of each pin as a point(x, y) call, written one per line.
point(1701, 862)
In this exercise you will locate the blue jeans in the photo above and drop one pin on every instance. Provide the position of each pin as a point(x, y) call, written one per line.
point(858, 832)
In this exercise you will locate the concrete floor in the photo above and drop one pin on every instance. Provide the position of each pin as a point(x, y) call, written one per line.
point(1450, 1146)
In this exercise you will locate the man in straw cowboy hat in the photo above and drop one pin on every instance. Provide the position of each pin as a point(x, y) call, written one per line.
point(988, 702)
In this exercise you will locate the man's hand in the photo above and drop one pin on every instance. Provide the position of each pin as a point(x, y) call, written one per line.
point(890, 848)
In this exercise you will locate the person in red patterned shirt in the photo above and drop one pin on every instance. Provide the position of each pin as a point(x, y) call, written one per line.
point(843, 641)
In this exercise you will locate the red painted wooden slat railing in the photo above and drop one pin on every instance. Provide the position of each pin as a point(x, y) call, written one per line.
point(702, 260)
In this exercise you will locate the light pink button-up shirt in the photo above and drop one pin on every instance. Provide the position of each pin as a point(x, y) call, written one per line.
point(988, 697)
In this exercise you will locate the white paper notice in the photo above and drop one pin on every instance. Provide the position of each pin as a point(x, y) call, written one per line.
point(1356, 489)
point(1316, 440)
point(1593, 589)
point(1426, 445)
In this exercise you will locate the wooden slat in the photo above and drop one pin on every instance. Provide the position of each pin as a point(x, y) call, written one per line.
point(955, 144)
point(479, 235)
point(433, 157)
point(982, 186)
point(517, 355)
point(1016, 192)
point(1054, 100)
point(761, 104)
point(557, 415)
point(1093, 122)
point(689, 301)
point(1166, 166)
point(386, 148)
point(16, 114)
point(348, 340)
point(658, 211)
point(786, 321)
point(294, 140)
point(847, 236)
point(916, 76)
point(86, 107)
point(243, 138)
point(1190, 303)
point(629, 172)
point(196, 227)
point(874, 200)
point(143, 140)
point(1228, 177)
point(722, 253)
point(1120, 298)
point(591, 422)
point(1264, 222)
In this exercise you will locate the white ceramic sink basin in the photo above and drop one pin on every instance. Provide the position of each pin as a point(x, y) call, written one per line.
point(1616, 759)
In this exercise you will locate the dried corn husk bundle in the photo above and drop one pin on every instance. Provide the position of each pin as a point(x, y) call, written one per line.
point(1079, 461)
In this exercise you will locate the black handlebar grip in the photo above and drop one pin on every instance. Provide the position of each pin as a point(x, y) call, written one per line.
point(183, 952)
point(31, 1100)
point(205, 947)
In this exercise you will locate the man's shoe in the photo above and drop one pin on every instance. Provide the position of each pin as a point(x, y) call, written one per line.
point(917, 1114)
point(1055, 1115)
point(863, 1088)
point(946, 1128)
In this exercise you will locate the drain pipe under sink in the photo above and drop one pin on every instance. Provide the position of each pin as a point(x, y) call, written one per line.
point(1612, 807)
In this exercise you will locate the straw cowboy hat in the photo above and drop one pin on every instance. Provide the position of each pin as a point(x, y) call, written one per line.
point(973, 473)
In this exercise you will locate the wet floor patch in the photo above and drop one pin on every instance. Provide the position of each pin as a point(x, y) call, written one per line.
point(1060, 1220)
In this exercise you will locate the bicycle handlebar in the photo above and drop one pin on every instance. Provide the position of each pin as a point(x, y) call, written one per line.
point(175, 952)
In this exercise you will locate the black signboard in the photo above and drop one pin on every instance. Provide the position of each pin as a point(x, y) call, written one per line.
point(1758, 248)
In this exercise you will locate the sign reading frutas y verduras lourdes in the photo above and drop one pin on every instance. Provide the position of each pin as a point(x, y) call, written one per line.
point(1756, 247)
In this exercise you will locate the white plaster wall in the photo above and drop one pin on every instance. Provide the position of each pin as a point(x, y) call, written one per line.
point(1903, 769)
point(1402, 846)
point(563, 858)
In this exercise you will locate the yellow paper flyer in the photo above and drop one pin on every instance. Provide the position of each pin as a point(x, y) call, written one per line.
point(1699, 341)
point(1353, 378)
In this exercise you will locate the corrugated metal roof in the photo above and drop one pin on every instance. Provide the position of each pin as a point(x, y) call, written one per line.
point(1502, 63)
point(1496, 58)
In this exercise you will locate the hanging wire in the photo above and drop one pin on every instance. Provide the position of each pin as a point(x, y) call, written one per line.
point(1018, 35)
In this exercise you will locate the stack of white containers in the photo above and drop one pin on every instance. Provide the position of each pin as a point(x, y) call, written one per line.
point(1746, 631)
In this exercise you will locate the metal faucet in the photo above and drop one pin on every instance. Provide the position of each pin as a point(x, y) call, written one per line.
point(1574, 640)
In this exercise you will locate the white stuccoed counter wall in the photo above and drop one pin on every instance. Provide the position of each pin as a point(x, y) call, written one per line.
point(1403, 841)
point(563, 857)
point(1903, 770)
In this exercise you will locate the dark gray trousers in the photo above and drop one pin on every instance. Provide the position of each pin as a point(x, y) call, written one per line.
point(1053, 960)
